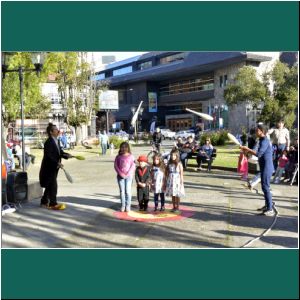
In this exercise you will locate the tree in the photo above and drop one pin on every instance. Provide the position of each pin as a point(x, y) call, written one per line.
point(73, 79)
point(282, 102)
point(35, 105)
point(278, 104)
point(246, 88)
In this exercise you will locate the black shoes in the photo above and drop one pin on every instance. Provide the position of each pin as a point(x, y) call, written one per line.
point(264, 208)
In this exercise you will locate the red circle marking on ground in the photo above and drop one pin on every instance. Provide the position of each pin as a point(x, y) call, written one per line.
point(155, 216)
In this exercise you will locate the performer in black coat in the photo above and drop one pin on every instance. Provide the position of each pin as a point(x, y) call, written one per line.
point(49, 168)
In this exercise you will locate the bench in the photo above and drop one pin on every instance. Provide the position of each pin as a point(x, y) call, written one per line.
point(213, 157)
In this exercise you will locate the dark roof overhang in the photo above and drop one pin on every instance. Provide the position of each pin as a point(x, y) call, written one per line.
point(194, 63)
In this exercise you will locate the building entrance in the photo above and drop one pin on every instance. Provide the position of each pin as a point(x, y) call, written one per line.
point(179, 124)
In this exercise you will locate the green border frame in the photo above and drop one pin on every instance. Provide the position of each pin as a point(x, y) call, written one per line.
point(147, 26)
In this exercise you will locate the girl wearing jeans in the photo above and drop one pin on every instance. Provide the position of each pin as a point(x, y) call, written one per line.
point(125, 167)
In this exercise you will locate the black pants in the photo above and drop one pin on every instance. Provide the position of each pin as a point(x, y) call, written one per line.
point(143, 197)
point(204, 159)
point(184, 156)
point(162, 199)
point(50, 192)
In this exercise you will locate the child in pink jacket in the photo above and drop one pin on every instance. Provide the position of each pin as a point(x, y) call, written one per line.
point(125, 167)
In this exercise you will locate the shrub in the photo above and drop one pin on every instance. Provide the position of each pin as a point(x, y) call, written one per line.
point(293, 134)
point(218, 138)
point(116, 141)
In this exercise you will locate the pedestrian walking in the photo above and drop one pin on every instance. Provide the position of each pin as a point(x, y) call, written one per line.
point(264, 154)
point(142, 177)
point(103, 141)
point(157, 138)
point(174, 180)
point(51, 164)
point(125, 166)
point(157, 181)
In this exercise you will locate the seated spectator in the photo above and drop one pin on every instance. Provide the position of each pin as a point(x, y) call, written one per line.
point(29, 158)
point(186, 150)
point(204, 154)
point(178, 144)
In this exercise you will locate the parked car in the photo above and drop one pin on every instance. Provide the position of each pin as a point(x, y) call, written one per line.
point(168, 134)
point(184, 134)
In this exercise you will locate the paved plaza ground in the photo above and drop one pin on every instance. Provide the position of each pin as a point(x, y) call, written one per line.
point(224, 216)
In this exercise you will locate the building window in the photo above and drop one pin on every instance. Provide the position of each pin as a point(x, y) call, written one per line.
point(225, 80)
point(221, 81)
point(55, 98)
point(187, 86)
point(122, 71)
point(253, 63)
point(145, 65)
point(98, 76)
point(172, 58)
point(122, 97)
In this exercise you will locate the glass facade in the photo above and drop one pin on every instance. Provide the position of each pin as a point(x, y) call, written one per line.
point(172, 58)
point(187, 86)
point(223, 80)
point(98, 76)
point(145, 65)
point(122, 71)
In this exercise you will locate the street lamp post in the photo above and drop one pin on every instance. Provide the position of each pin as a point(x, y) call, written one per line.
point(38, 60)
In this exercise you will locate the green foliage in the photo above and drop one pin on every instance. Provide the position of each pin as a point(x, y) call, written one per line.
point(293, 134)
point(245, 88)
point(35, 105)
point(116, 141)
point(76, 120)
point(279, 104)
point(218, 138)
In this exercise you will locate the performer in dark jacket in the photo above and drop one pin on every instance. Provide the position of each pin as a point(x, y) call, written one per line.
point(142, 177)
point(49, 169)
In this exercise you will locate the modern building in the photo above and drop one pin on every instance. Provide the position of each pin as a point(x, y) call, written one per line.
point(170, 82)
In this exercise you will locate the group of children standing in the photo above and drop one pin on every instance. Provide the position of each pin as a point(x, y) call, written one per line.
point(160, 179)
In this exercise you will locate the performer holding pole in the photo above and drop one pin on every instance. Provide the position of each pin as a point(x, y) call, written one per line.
point(264, 154)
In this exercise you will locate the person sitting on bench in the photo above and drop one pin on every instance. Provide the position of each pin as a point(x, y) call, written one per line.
point(187, 150)
point(205, 154)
